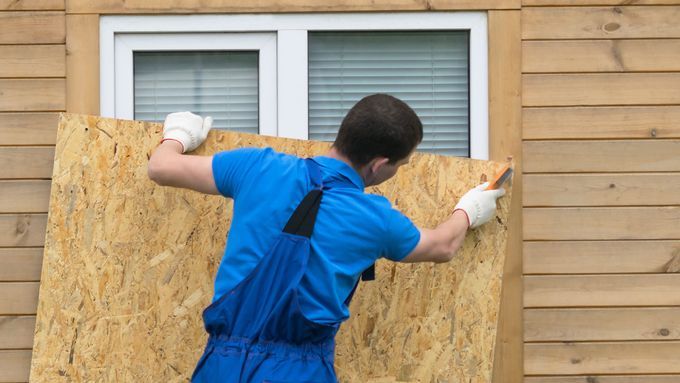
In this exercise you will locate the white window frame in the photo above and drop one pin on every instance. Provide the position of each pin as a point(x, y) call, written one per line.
point(290, 113)
point(127, 44)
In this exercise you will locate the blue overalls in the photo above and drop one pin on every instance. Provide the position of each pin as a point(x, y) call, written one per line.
point(258, 332)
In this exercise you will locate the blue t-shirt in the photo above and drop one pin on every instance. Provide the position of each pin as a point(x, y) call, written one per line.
point(352, 228)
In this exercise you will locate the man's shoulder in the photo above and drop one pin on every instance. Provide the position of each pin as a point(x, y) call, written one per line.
point(379, 205)
point(266, 154)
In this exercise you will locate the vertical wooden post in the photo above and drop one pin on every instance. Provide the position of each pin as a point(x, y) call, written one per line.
point(505, 139)
point(82, 64)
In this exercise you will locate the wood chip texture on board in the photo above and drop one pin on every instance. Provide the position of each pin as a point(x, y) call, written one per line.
point(129, 267)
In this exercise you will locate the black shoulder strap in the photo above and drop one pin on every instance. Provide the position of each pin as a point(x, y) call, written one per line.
point(303, 218)
point(369, 274)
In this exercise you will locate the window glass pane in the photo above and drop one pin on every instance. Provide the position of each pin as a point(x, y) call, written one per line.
point(426, 69)
point(223, 85)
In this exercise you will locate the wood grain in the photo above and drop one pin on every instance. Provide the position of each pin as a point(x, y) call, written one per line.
point(601, 290)
point(601, 122)
point(600, 22)
point(505, 107)
point(26, 162)
point(610, 189)
point(276, 6)
point(585, 89)
point(14, 365)
point(602, 358)
point(16, 331)
point(601, 156)
point(23, 95)
point(604, 379)
point(18, 297)
point(18, 230)
point(31, 5)
point(600, 56)
point(24, 196)
point(529, 3)
point(593, 223)
point(602, 324)
point(28, 128)
point(20, 264)
point(581, 257)
point(82, 43)
point(32, 28)
point(32, 61)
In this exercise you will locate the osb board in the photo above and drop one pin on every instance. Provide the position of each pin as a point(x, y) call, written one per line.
point(129, 266)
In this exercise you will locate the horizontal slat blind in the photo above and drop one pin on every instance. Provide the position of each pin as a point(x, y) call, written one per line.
point(427, 70)
point(223, 85)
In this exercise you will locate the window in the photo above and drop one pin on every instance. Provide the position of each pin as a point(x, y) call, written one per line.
point(427, 70)
point(296, 75)
point(232, 77)
point(218, 84)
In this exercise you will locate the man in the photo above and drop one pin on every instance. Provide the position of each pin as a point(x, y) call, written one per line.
point(302, 233)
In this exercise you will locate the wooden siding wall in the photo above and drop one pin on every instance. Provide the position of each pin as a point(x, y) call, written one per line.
point(601, 112)
point(32, 92)
point(49, 62)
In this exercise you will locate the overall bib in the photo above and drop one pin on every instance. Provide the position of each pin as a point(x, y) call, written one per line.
point(258, 332)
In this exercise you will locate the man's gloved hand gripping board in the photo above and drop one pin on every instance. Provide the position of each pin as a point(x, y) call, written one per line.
point(129, 266)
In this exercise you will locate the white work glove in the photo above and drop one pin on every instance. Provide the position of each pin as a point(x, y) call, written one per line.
point(479, 204)
point(187, 128)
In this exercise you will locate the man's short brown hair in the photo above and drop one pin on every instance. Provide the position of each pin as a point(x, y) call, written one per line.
point(379, 125)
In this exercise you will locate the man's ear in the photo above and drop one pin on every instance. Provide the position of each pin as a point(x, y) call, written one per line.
point(378, 163)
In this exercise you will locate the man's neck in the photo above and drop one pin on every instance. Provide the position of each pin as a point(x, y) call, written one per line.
point(335, 154)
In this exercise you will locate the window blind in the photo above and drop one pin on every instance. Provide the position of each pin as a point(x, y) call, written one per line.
point(223, 85)
point(426, 69)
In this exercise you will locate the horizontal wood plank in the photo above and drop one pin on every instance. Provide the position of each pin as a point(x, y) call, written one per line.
point(531, 3)
point(14, 365)
point(26, 162)
point(24, 196)
point(602, 358)
point(601, 290)
point(32, 61)
point(24, 95)
point(19, 298)
point(585, 89)
point(604, 379)
point(28, 128)
point(606, 324)
point(33, 28)
point(601, 189)
point(276, 6)
point(607, 223)
point(31, 5)
point(17, 331)
point(21, 230)
point(601, 156)
point(604, 257)
point(600, 22)
point(20, 264)
point(601, 122)
point(600, 56)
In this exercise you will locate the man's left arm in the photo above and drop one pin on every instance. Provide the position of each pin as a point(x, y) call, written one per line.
point(168, 166)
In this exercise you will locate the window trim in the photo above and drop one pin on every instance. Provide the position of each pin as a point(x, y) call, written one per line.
point(127, 44)
point(291, 114)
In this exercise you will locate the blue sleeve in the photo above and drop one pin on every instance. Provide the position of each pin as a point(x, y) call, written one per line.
point(402, 236)
point(231, 168)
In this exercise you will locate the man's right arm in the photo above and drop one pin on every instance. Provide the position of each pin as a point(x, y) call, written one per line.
point(440, 245)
